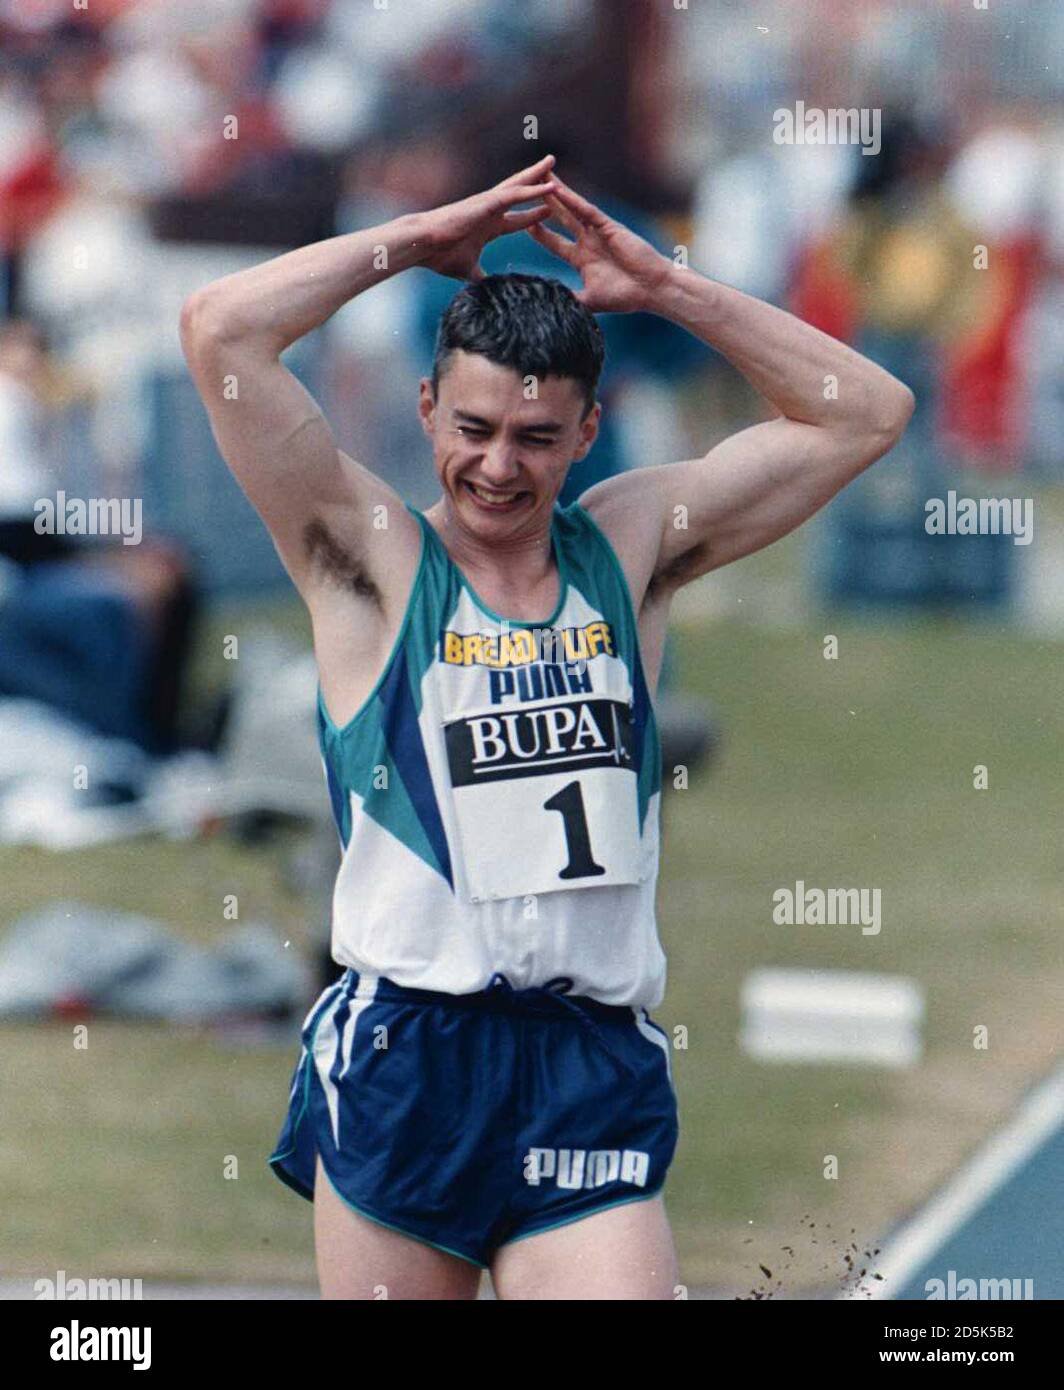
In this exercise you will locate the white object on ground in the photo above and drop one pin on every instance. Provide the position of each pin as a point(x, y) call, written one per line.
point(793, 1015)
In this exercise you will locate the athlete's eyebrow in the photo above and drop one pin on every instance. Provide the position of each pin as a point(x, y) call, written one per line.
point(540, 427)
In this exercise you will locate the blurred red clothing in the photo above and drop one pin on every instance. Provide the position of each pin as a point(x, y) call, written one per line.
point(823, 292)
point(984, 377)
point(29, 194)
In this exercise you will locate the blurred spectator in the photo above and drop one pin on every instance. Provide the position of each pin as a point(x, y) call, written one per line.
point(23, 472)
point(30, 186)
point(900, 273)
point(994, 185)
point(88, 625)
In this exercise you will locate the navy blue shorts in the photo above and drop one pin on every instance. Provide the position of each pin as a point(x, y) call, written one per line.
point(470, 1120)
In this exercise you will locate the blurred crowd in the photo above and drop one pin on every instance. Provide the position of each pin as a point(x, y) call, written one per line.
point(129, 126)
point(144, 143)
point(148, 146)
point(131, 95)
point(941, 256)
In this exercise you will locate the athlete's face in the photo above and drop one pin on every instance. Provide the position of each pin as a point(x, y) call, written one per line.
point(502, 458)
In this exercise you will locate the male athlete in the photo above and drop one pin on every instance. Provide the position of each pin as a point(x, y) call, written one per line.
point(484, 1088)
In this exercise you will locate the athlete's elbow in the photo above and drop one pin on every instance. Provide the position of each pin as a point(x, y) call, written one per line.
point(212, 324)
point(205, 324)
point(884, 420)
point(898, 411)
point(893, 410)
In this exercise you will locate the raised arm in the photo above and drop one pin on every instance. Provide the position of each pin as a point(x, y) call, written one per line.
point(269, 429)
point(837, 411)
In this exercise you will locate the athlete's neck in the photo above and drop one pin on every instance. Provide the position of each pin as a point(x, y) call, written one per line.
point(517, 565)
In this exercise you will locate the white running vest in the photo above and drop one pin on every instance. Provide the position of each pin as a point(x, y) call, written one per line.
point(498, 793)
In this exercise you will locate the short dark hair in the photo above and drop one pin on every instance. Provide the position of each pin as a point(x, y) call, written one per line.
point(531, 323)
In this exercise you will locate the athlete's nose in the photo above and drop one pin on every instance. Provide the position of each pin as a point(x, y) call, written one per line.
point(499, 466)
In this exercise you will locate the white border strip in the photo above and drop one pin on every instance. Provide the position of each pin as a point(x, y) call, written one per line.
point(974, 1184)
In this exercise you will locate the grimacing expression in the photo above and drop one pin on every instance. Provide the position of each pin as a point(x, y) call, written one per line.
point(500, 457)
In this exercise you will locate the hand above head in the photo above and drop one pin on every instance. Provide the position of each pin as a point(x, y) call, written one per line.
point(621, 272)
point(457, 233)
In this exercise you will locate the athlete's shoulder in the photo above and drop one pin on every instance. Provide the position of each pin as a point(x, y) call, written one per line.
point(624, 513)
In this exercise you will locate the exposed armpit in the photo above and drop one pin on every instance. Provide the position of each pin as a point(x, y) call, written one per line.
point(682, 568)
point(337, 563)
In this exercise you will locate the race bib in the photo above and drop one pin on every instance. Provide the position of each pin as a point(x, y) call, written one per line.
point(545, 797)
